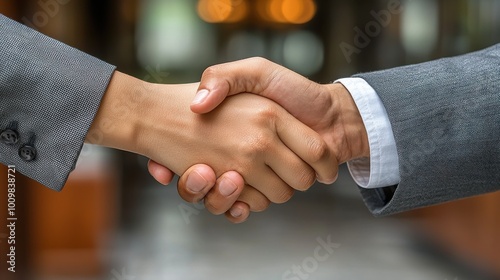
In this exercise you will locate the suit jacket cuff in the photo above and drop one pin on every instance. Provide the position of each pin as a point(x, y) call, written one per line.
point(52, 91)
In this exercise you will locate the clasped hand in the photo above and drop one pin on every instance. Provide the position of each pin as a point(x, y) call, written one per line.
point(249, 151)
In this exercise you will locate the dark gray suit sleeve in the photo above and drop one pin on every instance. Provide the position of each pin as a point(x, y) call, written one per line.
point(445, 116)
point(49, 95)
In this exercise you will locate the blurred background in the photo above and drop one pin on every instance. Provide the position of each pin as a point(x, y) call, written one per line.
point(112, 221)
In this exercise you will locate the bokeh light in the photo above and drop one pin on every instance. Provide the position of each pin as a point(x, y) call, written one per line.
point(287, 11)
point(420, 27)
point(222, 11)
point(298, 11)
point(303, 52)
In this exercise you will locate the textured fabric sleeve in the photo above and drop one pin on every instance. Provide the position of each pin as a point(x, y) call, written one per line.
point(445, 116)
point(51, 92)
point(381, 169)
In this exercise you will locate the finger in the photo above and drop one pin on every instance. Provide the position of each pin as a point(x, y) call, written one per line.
point(196, 182)
point(228, 188)
point(309, 146)
point(269, 184)
point(257, 201)
point(290, 168)
point(219, 81)
point(238, 213)
point(160, 173)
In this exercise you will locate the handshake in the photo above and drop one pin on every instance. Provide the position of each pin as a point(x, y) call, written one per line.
point(253, 134)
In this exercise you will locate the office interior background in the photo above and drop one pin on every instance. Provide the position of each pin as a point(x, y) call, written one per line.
point(112, 221)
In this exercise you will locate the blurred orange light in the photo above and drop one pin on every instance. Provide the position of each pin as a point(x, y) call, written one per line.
point(287, 11)
point(275, 11)
point(217, 11)
point(298, 11)
point(263, 9)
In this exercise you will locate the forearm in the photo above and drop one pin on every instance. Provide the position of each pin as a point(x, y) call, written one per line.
point(116, 122)
point(143, 118)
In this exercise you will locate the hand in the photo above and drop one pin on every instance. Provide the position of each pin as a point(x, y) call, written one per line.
point(198, 182)
point(328, 109)
point(252, 136)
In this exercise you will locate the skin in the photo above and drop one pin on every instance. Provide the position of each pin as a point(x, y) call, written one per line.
point(328, 109)
point(248, 140)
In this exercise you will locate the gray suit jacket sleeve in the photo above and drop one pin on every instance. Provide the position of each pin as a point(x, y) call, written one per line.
point(49, 94)
point(445, 116)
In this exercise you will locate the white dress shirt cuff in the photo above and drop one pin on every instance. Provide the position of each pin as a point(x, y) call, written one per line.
point(382, 168)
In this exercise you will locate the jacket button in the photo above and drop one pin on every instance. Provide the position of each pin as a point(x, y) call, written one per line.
point(9, 137)
point(27, 153)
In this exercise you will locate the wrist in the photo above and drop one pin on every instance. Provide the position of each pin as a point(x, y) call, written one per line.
point(354, 138)
point(116, 122)
point(165, 119)
point(165, 125)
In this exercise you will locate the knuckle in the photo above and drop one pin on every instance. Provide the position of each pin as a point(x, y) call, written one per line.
point(259, 60)
point(256, 145)
point(210, 71)
point(318, 150)
point(266, 111)
point(262, 136)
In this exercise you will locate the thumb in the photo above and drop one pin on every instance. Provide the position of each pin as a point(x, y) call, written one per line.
point(220, 81)
point(206, 100)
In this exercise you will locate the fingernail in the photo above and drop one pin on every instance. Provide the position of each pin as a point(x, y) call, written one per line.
point(195, 182)
point(168, 183)
point(227, 187)
point(327, 182)
point(236, 212)
point(200, 96)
